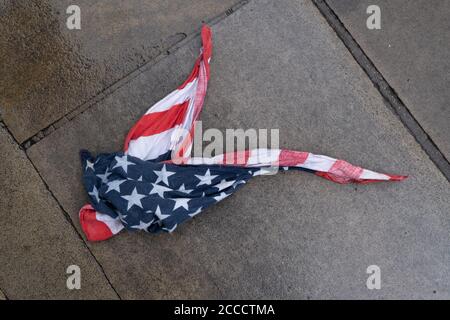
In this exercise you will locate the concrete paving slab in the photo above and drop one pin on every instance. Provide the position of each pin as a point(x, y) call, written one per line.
point(37, 242)
point(275, 65)
point(48, 70)
point(412, 51)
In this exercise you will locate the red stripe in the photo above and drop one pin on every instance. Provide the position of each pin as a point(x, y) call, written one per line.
point(344, 180)
point(157, 122)
point(396, 178)
point(197, 106)
point(207, 46)
point(345, 170)
point(292, 158)
point(332, 177)
point(205, 56)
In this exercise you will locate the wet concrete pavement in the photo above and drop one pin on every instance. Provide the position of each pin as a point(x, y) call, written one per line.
point(48, 70)
point(275, 65)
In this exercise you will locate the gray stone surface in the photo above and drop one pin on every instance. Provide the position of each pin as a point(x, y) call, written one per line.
point(412, 51)
point(48, 70)
point(37, 243)
point(275, 65)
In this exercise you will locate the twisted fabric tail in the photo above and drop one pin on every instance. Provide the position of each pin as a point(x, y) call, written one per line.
point(169, 124)
point(335, 170)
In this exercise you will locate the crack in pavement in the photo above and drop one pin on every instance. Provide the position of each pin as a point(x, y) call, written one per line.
point(2, 293)
point(66, 214)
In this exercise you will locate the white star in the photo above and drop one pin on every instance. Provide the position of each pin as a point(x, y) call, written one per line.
point(114, 185)
point(104, 176)
point(142, 225)
point(89, 165)
point(160, 215)
point(140, 178)
point(94, 193)
point(182, 189)
point(224, 184)
point(123, 163)
point(163, 175)
point(159, 190)
point(134, 199)
point(221, 196)
point(195, 213)
point(181, 202)
point(206, 179)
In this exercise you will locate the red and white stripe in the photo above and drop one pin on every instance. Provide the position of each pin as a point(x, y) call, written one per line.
point(332, 169)
point(168, 125)
point(98, 226)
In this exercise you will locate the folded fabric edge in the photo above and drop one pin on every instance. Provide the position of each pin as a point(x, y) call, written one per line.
point(98, 226)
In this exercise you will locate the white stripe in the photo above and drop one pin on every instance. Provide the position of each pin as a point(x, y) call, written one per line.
point(318, 163)
point(257, 158)
point(175, 97)
point(115, 225)
point(199, 160)
point(263, 157)
point(368, 174)
point(187, 123)
point(151, 147)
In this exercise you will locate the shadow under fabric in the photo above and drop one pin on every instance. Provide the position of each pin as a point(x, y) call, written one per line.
point(154, 185)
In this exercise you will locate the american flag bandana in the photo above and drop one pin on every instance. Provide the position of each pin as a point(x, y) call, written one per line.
point(144, 188)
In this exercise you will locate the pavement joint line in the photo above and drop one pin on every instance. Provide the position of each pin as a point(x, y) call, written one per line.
point(2, 292)
point(65, 213)
point(392, 100)
point(102, 94)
